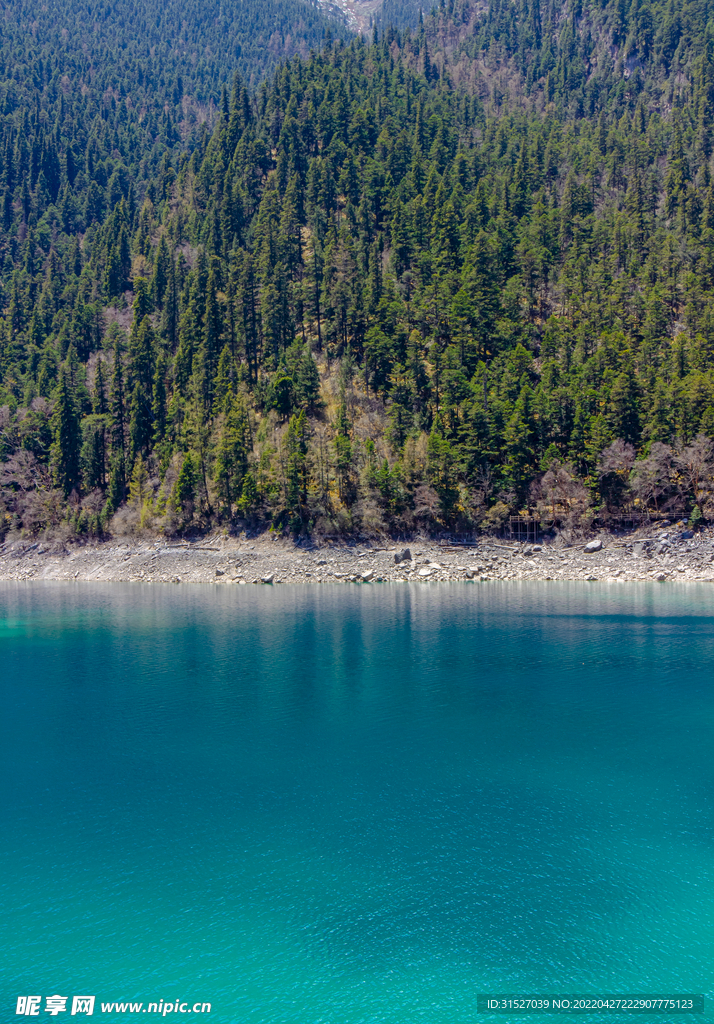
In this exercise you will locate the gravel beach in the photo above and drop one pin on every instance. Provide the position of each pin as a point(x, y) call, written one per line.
point(673, 554)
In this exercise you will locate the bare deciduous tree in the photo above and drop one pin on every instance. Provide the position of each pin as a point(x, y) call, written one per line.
point(560, 495)
point(695, 462)
point(653, 478)
point(24, 472)
point(613, 468)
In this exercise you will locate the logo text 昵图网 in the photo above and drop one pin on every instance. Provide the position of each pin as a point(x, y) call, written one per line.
point(31, 1006)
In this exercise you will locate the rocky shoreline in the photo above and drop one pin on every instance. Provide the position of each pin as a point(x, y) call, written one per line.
point(662, 555)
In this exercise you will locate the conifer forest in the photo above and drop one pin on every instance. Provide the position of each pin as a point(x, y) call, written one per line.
point(259, 272)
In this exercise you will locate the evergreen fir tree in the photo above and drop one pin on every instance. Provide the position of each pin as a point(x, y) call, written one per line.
point(66, 436)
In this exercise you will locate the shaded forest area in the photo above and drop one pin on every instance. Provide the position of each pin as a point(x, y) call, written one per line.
point(422, 282)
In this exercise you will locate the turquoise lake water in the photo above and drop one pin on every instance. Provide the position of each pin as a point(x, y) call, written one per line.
point(355, 804)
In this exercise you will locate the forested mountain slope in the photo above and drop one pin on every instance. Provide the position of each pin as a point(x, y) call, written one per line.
point(584, 57)
point(422, 282)
point(90, 89)
point(401, 14)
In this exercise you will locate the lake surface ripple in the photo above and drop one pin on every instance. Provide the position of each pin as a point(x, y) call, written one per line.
point(355, 804)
